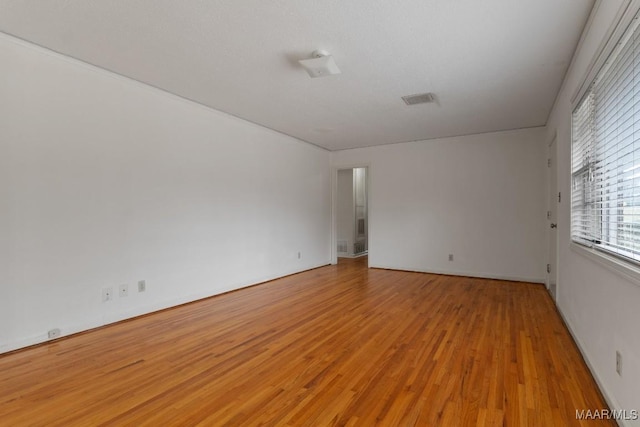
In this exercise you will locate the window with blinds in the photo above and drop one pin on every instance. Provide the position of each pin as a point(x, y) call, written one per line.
point(605, 161)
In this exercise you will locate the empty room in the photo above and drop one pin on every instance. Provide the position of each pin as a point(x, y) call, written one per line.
point(314, 213)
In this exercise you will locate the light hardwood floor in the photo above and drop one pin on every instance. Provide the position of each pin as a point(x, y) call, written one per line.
point(339, 345)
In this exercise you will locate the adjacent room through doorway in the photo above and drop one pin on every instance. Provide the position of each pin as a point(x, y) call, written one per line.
point(352, 220)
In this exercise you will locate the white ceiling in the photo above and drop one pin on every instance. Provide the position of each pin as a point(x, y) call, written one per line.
point(493, 64)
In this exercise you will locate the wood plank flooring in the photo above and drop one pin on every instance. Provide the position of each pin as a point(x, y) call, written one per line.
point(339, 345)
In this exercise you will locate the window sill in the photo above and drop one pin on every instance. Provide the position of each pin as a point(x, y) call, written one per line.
point(623, 269)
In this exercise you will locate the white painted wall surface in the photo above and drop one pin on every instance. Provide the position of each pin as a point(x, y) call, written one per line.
point(481, 198)
point(601, 307)
point(105, 181)
point(345, 216)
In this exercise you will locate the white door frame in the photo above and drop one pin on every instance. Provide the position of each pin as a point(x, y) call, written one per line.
point(553, 207)
point(334, 208)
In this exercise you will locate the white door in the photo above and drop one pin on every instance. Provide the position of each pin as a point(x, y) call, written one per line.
point(552, 220)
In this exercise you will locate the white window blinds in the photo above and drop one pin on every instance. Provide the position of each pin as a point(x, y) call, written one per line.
point(605, 168)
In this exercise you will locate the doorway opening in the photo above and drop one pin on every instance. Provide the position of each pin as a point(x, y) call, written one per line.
point(352, 213)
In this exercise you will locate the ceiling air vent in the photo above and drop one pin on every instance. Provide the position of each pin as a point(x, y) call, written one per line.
point(421, 98)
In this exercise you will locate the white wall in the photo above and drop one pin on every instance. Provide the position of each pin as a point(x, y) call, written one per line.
point(345, 215)
point(481, 198)
point(105, 181)
point(601, 307)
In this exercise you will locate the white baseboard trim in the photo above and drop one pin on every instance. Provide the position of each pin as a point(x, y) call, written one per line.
point(613, 404)
point(466, 274)
point(110, 318)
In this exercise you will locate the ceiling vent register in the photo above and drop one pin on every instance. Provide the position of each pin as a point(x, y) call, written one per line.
point(421, 98)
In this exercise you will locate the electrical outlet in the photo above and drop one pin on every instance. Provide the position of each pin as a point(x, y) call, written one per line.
point(107, 294)
point(299, 255)
point(124, 291)
point(619, 363)
point(142, 285)
point(450, 257)
point(54, 333)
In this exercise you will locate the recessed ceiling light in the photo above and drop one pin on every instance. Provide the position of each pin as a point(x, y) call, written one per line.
point(420, 98)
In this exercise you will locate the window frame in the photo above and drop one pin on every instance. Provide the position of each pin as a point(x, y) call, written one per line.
point(621, 265)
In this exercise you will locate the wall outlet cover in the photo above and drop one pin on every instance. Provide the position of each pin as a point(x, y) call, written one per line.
point(107, 294)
